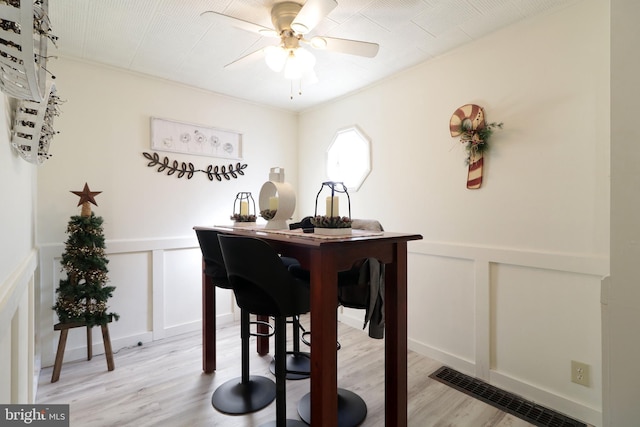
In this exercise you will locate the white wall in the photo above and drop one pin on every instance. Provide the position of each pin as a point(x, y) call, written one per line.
point(506, 283)
point(621, 301)
point(536, 231)
point(18, 260)
point(154, 259)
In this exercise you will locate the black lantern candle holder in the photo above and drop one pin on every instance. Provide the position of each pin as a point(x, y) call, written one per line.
point(244, 208)
point(332, 218)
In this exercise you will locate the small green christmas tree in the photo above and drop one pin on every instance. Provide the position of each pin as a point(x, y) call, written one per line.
point(82, 296)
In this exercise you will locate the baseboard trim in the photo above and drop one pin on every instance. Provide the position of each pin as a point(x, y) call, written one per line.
point(561, 404)
point(465, 366)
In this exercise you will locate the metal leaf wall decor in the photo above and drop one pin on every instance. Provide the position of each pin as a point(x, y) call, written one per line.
point(184, 169)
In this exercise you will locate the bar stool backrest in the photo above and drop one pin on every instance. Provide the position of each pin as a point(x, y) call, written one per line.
point(261, 282)
point(213, 261)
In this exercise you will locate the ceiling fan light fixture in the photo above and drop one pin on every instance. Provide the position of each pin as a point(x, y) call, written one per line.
point(298, 63)
point(299, 28)
point(293, 67)
point(275, 57)
point(318, 42)
point(268, 32)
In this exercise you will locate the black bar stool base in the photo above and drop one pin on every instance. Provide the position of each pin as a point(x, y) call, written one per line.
point(298, 365)
point(352, 410)
point(236, 398)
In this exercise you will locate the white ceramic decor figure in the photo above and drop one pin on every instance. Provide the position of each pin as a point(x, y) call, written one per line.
point(277, 200)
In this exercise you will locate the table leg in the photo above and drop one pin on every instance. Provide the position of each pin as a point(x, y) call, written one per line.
point(395, 304)
point(324, 327)
point(208, 323)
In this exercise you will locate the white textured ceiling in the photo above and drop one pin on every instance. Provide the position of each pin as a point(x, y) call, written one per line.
point(169, 39)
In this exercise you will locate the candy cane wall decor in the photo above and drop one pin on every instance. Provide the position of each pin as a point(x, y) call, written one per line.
point(469, 124)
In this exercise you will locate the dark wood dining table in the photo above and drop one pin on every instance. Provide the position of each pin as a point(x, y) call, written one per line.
point(324, 257)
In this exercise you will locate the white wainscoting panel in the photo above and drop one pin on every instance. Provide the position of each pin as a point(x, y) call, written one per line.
point(494, 313)
point(182, 288)
point(158, 294)
point(17, 350)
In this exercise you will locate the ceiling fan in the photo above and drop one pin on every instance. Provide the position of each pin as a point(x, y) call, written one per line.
point(291, 23)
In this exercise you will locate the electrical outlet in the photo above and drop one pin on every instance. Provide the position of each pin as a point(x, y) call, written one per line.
point(580, 373)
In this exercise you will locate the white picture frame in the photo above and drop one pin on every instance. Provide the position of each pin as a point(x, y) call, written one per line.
point(188, 138)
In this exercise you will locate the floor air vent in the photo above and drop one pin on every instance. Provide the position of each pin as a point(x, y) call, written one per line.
point(505, 401)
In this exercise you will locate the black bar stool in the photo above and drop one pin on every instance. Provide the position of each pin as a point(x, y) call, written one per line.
point(263, 285)
point(247, 393)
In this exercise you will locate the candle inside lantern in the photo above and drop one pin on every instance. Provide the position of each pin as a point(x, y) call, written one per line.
point(244, 207)
point(335, 209)
point(273, 203)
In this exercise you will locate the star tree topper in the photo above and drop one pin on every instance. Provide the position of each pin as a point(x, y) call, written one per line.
point(86, 196)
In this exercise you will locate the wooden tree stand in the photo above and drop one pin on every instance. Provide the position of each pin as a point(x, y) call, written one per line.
point(64, 331)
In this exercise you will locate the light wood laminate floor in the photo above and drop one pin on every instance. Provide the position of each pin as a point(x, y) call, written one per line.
point(162, 384)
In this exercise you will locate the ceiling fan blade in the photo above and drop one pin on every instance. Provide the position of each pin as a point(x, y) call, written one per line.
point(251, 57)
point(311, 14)
point(244, 25)
point(351, 47)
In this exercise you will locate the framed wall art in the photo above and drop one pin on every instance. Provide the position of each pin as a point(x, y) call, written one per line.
point(187, 138)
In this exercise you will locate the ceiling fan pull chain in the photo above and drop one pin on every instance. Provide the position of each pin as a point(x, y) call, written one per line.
point(291, 88)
